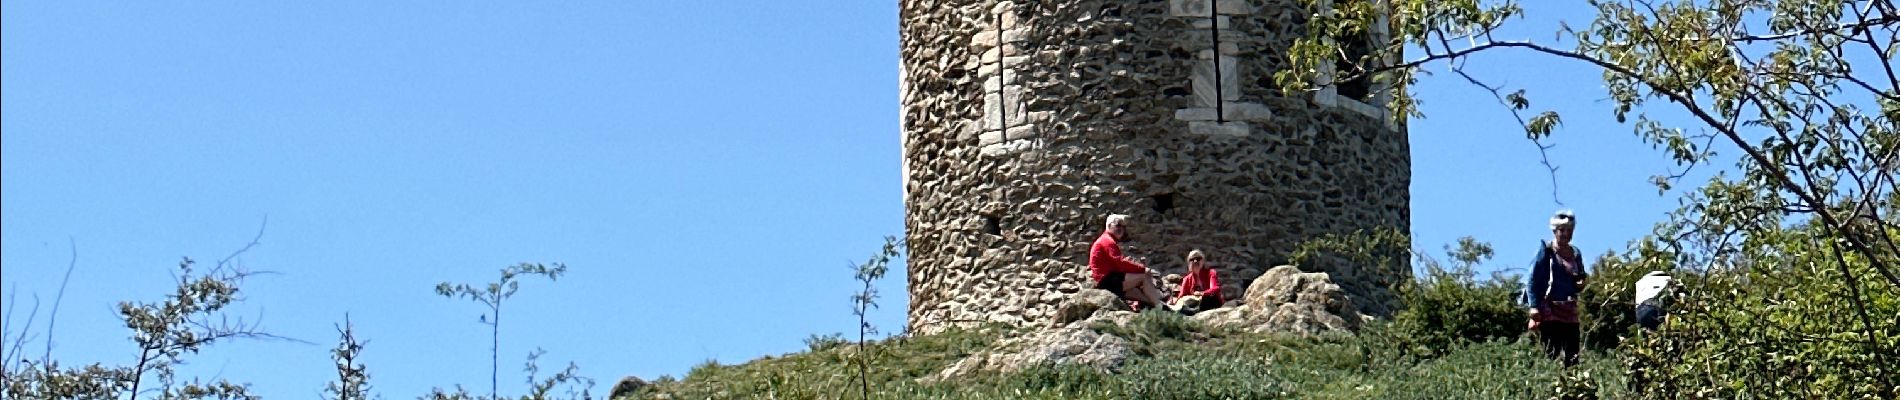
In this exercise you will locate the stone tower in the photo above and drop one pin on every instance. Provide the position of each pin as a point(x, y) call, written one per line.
point(1026, 123)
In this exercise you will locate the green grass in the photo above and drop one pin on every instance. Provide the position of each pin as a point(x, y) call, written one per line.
point(1173, 358)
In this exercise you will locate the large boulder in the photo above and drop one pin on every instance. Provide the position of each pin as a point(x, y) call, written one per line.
point(1085, 303)
point(626, 387)
point(1287, 300)
point(1226, 317)
point(1074, 343)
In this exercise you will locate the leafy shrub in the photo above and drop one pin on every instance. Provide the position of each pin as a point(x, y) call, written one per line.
point(1382, 253)
point(164, 333)
point(1445, 307)
point(817, 343)
point(1608, 301)
point(1785, 324)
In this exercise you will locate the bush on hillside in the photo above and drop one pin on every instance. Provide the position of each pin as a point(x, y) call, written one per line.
point(1608, 301)
point(817, 343)
point(1783, 324)
point(1448, 306)
point(1230, 365)
point(164, 334)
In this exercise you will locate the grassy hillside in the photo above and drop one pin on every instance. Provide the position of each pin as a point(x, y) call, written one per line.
point(1174, 358)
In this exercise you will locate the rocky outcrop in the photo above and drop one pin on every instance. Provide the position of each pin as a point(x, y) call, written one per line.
point(1087, 303)
point(1283, 300)
point(1027, 123)
point(1226, 317)
point(627, 387)
point(1074, 343)
point(1287, 300)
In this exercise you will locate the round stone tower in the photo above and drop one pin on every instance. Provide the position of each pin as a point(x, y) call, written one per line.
point(1026, 123)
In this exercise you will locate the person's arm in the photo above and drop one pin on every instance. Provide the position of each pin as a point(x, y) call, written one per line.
point(1098, 256)
point(1540, 277)
point(1583, 271)
point(1213, 285)
point(1120, 262)
point(1132, 267)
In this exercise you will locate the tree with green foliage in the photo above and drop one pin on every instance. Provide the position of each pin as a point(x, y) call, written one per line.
point(1444, 307)
point(1789, 260)
point(492, 295)
point(1447, 305)
point(865, 300)
point(352, 377)
point(189, 319)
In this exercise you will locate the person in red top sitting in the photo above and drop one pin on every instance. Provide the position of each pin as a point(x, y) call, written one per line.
point(1200, 290)
point(1115, 273)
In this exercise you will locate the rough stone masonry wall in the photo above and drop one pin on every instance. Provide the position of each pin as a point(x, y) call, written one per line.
point(1027, 123)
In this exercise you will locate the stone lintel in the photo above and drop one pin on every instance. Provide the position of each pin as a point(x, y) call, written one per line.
point(1007, 148)
point(1361, 107)
point(1326, 96)
point(1015, 132)
point(1231, 111)
point(1234, 129)
point(1202, 8)
point(1194, 114)
point(1330, 97)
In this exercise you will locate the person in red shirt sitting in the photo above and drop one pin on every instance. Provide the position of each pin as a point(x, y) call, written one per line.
point(1117, 274)
point(1200, 290)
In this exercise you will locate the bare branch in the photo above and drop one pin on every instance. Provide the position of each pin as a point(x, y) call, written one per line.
point(1543, 150)
point(247, 247)
point(53, 317)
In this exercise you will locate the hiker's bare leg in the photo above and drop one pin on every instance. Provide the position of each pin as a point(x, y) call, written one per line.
point(1154, 293)
point(1141, 288)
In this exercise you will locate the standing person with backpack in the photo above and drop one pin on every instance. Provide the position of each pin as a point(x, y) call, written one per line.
point(1557, 278)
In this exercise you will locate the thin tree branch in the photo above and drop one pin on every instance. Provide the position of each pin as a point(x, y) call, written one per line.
point(53, 317)
point(247, 247)
point(1543, 150)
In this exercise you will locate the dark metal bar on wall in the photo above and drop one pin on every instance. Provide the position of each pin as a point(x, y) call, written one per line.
point(1002, 79)
point(1213, 24)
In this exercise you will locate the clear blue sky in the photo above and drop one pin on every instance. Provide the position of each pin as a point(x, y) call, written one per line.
point(706, 170)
